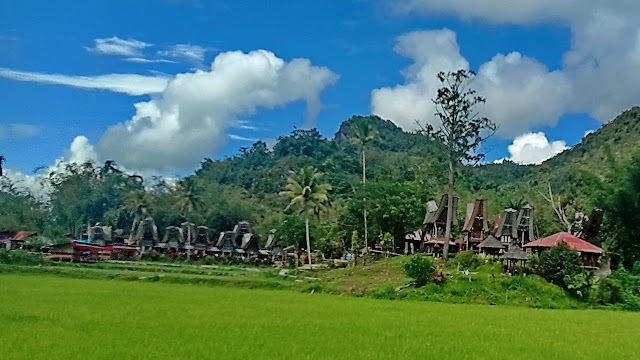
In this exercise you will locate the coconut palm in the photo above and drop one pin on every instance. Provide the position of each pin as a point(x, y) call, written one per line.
point(309, 195)
point(187, 198)
point(363, 134)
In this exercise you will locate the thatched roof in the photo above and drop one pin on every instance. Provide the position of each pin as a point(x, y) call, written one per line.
point(516, 253)
point(490, 243)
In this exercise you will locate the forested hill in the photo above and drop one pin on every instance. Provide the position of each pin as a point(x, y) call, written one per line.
point(406, 169)
point(404, 172)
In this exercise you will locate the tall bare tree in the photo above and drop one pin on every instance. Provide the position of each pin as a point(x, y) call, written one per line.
point(461, 130)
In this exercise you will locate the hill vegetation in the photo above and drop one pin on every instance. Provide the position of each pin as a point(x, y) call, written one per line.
point(404, 171)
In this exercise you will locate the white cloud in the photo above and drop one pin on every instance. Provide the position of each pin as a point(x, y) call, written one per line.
point(587, 133)
point(81, 151)
point(18, 131)
point(241, 138)
point(534, 148)
point(130, 84)
point(22, 183)
point(141, 60)
point(432, 51)
point(192, 53)
point(118, 47)
point(599, 73)
point(188, 121)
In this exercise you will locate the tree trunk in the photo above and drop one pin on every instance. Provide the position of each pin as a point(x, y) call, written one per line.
point(450, 214)
point(306, 224)
point(364, 185)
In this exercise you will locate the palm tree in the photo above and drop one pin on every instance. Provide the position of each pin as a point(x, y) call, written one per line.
point(309, 194)
point(187, 198)
point(363, 134)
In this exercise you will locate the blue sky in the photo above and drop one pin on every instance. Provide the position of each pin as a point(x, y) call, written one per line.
point(353, 40)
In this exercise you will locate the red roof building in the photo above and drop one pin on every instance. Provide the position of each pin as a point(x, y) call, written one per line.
point(589, 252)
point(14, 239)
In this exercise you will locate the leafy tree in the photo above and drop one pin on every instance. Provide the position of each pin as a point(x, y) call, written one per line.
point(309, 194)
point(364, 133)
point(562, 266)
point(461, 129)
point(624, 214)
point(396, 208)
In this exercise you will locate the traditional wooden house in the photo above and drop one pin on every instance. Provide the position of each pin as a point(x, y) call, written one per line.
point(201, 239)
point(100, 235)
point(172, 240)
point(515, 227)
point(435, 222)
point(476, 223)
point(491, 246)
point(145, 236)
point(525, 225)
point(590, 253)
point(14, 239)
point(225, 243)
point(250, 245)
point(588, 227)
point(189, 231)
point(507, 228)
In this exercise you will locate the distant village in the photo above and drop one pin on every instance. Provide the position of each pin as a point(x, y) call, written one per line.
point(508, 236)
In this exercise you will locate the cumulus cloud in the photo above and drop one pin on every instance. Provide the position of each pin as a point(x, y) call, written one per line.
point(599, 73)
point(18, 131)
point(81, 151)
point(118, 47)
point(534, 148)
point(188, 120)
point(192, 53)
point(130, 84)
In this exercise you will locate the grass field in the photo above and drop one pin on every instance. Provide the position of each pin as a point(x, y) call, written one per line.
point(46, 317)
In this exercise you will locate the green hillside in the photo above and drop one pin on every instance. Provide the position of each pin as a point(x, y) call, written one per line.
point(404, 171)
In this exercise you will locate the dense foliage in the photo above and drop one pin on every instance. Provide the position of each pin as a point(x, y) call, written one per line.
point(562, 265)
point(404, 171)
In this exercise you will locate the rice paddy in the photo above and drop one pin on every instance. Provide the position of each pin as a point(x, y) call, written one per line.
point(47, 317)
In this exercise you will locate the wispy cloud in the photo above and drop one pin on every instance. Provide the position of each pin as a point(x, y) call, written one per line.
point(130, 84)
point(192, 53)
point(240, 138)
point(118, 47)
point(18, 131)
point(141, 60)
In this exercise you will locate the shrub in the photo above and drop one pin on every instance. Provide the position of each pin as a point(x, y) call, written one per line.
point(20, 257)
point(420, 269)
point(386, 292)
point(562, 265)
point(609, 291)
point(467, 260)
point(636, 268)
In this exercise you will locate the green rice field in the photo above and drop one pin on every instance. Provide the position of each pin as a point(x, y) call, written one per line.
point(47, 317)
